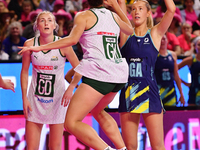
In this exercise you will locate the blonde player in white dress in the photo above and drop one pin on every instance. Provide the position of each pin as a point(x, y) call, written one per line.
point(42, 105)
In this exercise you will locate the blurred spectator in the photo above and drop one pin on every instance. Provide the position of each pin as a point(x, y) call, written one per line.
point(5, 20)
point(173, 42)
point(16, 6)
point(3, 6)
point(196, 27)
point(73, 6)
point(27, 7)
point(196, 4)
point(162, 9)
point(154, 4)
point(189, 13)
point(13, 40)
point(185, 39)
point(35, 4)
point(3, 55)
point(46, 5)
point(175, 26)
point(179, 4)
point(28, 31)
point(7, 1)
point(193, 62)
point(85, 5)
point(129, 1)
point(62, 17)
point(166, 72)
point(58, 4)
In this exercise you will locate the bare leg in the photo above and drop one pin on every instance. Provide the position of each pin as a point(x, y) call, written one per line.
point(106, 122)
point(33, 131)
point(129, 126)
point(83, 101)
point(154, 125)
point(55, 136)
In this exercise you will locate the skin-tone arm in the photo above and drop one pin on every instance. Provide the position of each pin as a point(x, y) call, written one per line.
point(69, 75)
point(191, 51)
point(72, 58)
point(177, 50)
point(26, 59)
point(123, 37)
point(186, 61)
point(121, 17)
point(161, 28)
point(177, 79)
point(82, 21)
point(6, 84)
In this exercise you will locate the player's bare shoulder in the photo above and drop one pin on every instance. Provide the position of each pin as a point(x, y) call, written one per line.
point(84, 14)
point(29, 42)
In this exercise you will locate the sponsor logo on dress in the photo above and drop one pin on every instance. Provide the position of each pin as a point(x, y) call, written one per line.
point(105, 33)
point(102, 12)
point(45, 101)
point(135, 59)
point(146, 41)
point(35, 57)
point(43, 67)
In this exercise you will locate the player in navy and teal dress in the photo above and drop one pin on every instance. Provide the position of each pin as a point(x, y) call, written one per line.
point(193, 62)
point(166, 71)
point(140, 95)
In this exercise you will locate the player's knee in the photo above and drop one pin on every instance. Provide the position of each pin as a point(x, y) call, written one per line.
point(159, 146)
point(131, 146)
point(55, 146)
point(68, 125)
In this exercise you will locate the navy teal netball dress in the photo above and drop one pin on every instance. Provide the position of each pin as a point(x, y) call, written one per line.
point(141, 93)
point(194, 92)
point(164, 72)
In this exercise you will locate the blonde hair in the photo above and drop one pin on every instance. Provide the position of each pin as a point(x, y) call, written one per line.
point(150, 18)
point(41, 13)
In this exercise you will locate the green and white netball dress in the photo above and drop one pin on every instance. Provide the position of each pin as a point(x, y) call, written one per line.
point(102, 62)
point(47, 86)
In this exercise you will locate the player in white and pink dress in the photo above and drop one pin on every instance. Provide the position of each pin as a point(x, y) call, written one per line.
point(43, 103)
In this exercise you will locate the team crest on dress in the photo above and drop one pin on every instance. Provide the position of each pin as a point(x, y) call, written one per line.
point(54, 58)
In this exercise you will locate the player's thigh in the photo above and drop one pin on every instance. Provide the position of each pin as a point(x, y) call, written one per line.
point(129, 125)
point(154, 125)
point(56, 134)
point(33, 132)
point(107, 99)
point(83, 101)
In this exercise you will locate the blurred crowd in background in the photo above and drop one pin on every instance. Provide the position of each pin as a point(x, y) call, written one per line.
point(17, 18)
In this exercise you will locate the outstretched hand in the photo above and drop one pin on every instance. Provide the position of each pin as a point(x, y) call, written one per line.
point(29, 48)
point(8, 84)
